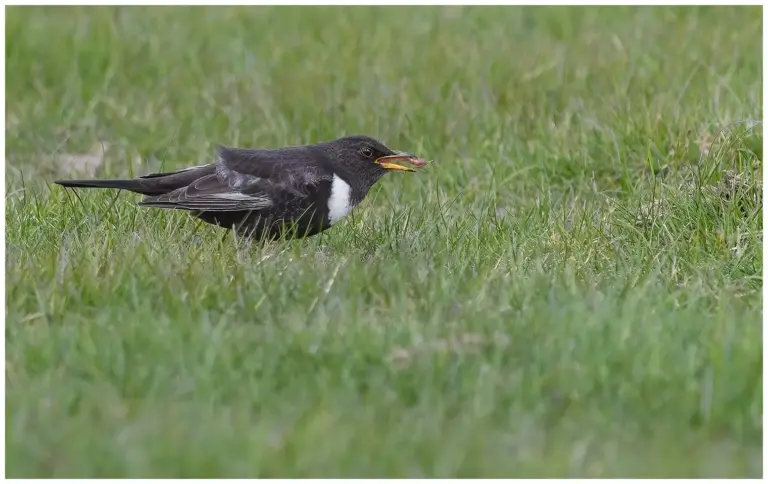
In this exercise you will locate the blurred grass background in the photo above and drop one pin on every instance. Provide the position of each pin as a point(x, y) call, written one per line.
point(573, 288)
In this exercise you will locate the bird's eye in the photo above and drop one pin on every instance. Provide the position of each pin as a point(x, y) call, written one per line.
point(367, 152)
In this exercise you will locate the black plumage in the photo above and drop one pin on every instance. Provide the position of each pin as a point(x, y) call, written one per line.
point(296, 191)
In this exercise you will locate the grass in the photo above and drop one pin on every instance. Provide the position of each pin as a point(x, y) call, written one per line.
point(573, 287)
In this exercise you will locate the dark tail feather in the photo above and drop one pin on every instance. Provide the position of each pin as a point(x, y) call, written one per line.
point(131, 185)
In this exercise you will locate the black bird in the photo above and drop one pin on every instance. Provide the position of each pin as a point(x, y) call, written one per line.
point(297, 191)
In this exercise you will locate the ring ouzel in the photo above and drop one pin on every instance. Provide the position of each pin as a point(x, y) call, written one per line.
point(297, 191)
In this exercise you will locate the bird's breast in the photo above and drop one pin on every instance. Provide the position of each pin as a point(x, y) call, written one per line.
point(341, 202)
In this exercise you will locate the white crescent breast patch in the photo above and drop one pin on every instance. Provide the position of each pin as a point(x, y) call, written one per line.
point(340, 202)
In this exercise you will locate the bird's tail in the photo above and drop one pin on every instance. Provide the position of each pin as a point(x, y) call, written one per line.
point(131, 185)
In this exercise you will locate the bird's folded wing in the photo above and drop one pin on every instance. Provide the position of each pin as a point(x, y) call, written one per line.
point(284, 172)
point(231, 190)
point(210, 194)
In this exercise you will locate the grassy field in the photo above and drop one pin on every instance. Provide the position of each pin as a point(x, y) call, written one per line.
point(571, 288)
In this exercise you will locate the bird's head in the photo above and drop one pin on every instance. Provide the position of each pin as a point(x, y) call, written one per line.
point(371, 158)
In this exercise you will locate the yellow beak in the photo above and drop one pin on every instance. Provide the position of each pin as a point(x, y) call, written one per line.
point(387, 161)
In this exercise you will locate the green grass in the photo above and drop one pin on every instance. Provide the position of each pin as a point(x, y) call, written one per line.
point(570, 289)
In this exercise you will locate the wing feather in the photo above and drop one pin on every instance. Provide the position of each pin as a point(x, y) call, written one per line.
point(248, 180)
point(209, 194)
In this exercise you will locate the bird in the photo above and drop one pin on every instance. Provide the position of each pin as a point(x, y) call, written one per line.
point(270, 193)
